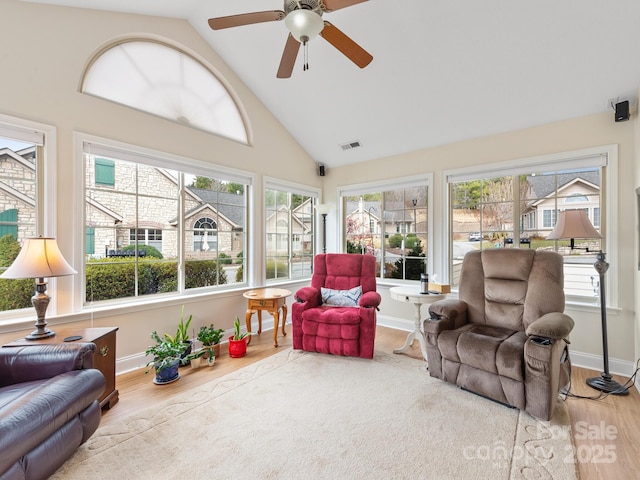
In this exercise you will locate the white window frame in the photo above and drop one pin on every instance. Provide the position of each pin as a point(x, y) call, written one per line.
point(271, 183)
point(44, 137)
point(555, 161)
point(425, 179)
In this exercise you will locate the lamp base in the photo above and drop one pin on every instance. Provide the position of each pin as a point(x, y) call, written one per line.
point(40, 333)
point(606, 384)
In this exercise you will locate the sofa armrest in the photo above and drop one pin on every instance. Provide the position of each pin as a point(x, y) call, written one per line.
point(309, 295)
point(370, 300)
point(37, 362)
point(446, 314)
point(553, 325)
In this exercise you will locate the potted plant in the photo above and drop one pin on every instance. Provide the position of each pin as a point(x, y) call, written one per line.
point(210, 337)
point(167, 353)
point(195, 358)
point(182, 334)
point(238, 341)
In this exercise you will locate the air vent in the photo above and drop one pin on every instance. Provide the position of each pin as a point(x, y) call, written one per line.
point(350, 145)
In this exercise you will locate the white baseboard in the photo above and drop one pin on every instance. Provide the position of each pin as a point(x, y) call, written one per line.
point(594, 362)
point(396, 323)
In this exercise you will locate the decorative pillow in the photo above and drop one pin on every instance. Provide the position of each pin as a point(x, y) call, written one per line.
point(341, 298)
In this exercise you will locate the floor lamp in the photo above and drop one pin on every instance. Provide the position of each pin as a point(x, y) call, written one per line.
point(323, 209)
point(39, 258)
point(574, 224)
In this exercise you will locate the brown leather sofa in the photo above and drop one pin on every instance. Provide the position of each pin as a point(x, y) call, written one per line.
point(505, 337)
point(48, 406)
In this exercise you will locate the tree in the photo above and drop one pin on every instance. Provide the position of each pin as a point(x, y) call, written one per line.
point(205, 183)
point(467, 194)
point(237, 188)
point(411, 265)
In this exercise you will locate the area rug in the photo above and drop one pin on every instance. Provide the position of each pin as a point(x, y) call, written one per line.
point(298, 415)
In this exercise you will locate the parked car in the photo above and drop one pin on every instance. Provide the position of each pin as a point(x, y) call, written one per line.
point(475, 237)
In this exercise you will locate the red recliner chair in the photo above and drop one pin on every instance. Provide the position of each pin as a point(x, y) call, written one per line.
point(337, 313)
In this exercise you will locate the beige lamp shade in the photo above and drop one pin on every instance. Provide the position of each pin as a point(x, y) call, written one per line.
point(323, 208)
point(39, 257)
point(573, 224)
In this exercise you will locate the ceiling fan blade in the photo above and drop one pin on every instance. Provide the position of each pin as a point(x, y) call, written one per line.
point(348, 47)
point(288, 57)
point(331, 5)
point(246, 19)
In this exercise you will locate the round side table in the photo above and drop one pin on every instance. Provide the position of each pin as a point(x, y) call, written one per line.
point(413, 295)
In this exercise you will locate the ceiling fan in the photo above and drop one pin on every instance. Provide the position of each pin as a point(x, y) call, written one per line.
point(303, 19)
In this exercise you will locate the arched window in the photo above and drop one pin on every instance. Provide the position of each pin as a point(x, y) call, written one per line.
point(205, 235)
point(577, 198)
point(164, 81)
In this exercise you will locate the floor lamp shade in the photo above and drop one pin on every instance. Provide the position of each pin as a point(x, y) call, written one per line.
point(573, 224)
point(39, 258)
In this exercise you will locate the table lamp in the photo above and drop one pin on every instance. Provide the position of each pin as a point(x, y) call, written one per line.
point(39, 258)
point(574, 224)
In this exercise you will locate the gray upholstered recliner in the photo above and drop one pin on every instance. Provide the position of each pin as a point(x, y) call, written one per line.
point(504, 338)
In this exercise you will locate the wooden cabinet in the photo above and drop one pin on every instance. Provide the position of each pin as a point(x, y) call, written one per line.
point(104, 358)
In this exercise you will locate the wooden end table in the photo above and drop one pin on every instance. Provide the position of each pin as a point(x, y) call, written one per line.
point(272, 300)
point(413, 295)
point(104, 358)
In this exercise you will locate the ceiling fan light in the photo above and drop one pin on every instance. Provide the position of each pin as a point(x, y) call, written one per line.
point(304, 23)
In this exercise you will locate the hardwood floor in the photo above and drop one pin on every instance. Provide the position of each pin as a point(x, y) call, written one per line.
point(606, 433)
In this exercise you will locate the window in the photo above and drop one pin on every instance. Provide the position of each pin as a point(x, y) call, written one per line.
point(289, 230)
point(519, 208)
point(165, 81)
point(166, 226)
point(205, 235)
point(147, 236)
point(390, 221)
point(22, 212)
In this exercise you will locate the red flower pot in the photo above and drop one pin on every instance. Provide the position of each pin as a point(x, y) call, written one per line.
point(237, 348)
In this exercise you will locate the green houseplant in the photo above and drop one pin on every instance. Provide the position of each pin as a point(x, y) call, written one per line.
point(238, 341)
point(182, 335)
point(210, 337)
point(166, 353)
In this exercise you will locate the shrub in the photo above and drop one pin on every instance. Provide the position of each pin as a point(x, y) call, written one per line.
point(240, 274)
point(395, 241)
point(203, 273)
point(16, 294)
point(111, 278)
point(9, 250)
point(282, 269)
point(150, 251)
point(224, 259)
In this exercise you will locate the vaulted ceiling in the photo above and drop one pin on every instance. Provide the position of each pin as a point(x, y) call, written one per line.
point(442, 71)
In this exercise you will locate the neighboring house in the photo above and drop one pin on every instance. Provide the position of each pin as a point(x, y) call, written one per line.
point(18, 192)
point(278, 231)
point(364, 217)
point(214, 220)
point(576, 190)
